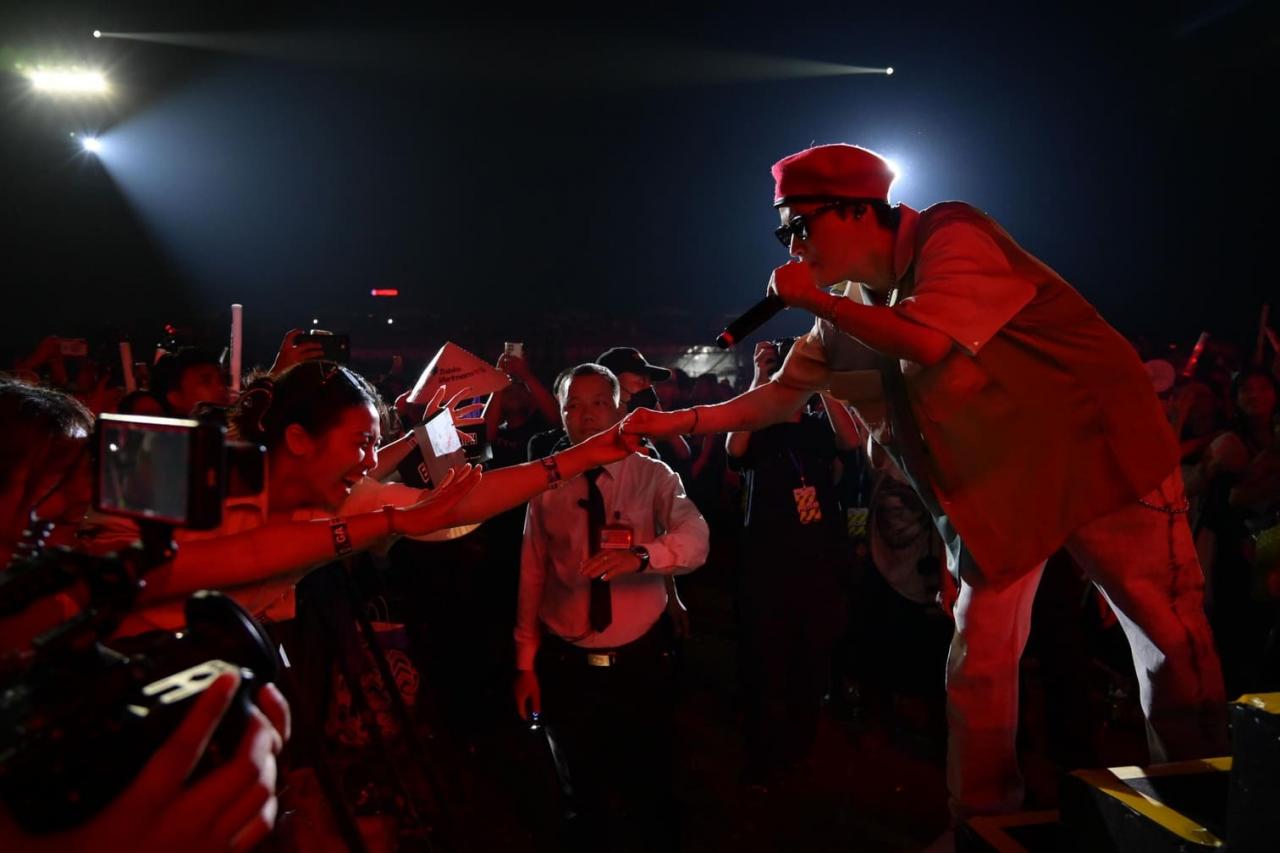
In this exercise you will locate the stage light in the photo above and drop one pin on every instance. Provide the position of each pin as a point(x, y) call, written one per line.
point(68, 81)
point(384, 291)
point(315, 322)
point(97, 34)
point(91, 144)
point(390, 321)
point(889, 71)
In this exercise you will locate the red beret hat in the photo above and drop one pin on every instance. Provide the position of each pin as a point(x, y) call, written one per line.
point(831, 171)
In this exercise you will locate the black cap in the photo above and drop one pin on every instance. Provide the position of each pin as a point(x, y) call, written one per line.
point(628, 360)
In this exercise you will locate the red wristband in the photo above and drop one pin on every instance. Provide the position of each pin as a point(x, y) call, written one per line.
point(341, 537)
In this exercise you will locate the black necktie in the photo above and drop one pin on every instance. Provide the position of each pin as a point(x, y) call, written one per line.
point(600, 613)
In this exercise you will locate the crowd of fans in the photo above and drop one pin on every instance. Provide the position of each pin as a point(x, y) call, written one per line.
point(408, 632)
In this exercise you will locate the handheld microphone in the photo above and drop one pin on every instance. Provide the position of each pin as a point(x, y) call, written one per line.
point(753, 318)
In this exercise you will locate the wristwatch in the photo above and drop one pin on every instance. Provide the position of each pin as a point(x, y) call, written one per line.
point(643, 553)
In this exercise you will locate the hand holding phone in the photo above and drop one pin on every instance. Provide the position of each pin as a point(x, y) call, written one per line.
point(312, 345)
point(766, 358)
point(332, 347)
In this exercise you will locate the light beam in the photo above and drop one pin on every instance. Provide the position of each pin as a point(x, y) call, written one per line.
point(529, 56)
point(68, 81)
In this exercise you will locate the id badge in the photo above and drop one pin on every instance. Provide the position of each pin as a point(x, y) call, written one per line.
point(616, 537)
point(807, 507)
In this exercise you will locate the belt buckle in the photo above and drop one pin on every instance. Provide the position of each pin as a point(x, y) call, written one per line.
point(597, 659)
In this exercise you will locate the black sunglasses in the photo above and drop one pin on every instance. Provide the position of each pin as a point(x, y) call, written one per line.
point(798, 226)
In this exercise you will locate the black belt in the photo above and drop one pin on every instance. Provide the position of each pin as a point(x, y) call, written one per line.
point(656, 642)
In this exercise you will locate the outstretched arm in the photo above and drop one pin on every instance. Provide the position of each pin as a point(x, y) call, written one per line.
point(769, 404)
point(509, 487)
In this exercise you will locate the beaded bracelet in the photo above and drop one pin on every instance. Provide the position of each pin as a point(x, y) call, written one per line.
point(553, 471)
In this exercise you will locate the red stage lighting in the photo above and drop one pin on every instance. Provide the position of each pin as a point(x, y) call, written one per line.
point(384, 291)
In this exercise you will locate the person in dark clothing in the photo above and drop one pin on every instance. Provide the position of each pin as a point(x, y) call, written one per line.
point(788, 600)
point(518, 412)
point(1241, 611)
point(637, 379)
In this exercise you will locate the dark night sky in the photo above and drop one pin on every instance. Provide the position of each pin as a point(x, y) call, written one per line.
point(574, 161)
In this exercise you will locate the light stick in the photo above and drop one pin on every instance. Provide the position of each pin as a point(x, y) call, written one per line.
point(237, 335)
point(126, 366)
point(1195, 355)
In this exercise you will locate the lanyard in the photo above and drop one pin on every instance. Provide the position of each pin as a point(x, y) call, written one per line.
point(795, 463)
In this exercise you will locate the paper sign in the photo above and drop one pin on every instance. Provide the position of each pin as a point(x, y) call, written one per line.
point(440, 447)
point(442, 435)
point(455, 369)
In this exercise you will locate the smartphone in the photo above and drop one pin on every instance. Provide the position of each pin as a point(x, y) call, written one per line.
point(73, 347)
point(336, 347)
point(516, 349)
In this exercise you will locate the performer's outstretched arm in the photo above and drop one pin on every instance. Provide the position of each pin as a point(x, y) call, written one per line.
point(771, 403)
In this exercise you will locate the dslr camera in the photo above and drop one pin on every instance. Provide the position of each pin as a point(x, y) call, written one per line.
point(81, 715)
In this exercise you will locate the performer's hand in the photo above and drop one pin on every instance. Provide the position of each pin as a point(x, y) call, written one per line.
point(528, 693)
point(608, 565)
point(796, 284)
point(607, 446)
point(658, 425)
